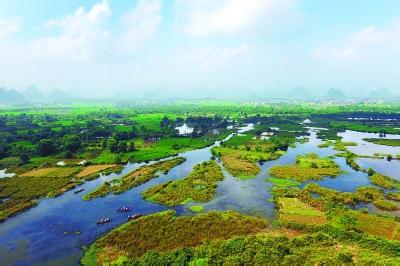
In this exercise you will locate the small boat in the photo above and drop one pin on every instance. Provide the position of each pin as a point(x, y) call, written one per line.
point(135, 216)
point(79, 190)
point(104, 221)
point(124, 209)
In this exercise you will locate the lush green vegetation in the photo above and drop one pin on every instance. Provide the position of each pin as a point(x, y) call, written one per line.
point(199, 186)
point(164, 232)
point(279, 182)
point(331, 246)
point(294, 210)
point(241, 153)
point(387, 142)
point(196, 208)
point(320, 197)
point(384, 181)
point(337, 145)
point(133, 179)
point(23, 191)
point(315, 225)
point(307, 167)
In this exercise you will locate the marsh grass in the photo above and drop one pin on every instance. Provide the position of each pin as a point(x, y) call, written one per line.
point(52, 172)
point(279, 182)
point(307, 167)
point(196, 208)
point(384, 181)
point(93, 169)
point(22, 192)
point(386, 142)
point(133, 179)
point(294, 210)
point(164, 232)
point(238, 167)
point(199, 186)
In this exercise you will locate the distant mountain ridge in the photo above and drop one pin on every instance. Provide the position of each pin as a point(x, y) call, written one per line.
point(10, 96)
point(33, 94)
point(381, 93)
point(300, 93)
point(335, 94)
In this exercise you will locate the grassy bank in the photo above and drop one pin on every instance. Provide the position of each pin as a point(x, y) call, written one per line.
point(307, 167)
point(163, 232)
point(199, 186)
point(133, 179)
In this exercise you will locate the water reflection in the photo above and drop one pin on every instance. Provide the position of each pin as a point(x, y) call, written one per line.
point(368, 148)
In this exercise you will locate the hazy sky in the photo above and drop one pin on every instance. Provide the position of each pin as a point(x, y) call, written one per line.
point(177, 47)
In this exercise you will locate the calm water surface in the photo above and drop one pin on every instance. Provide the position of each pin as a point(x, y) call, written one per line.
point(368, 148)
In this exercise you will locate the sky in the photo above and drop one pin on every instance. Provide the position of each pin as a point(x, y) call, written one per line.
point(199, 48)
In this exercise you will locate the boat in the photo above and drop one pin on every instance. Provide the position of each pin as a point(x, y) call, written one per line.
point(135, 216)
point(103, 221)
point(124, 209)
point(79, 190)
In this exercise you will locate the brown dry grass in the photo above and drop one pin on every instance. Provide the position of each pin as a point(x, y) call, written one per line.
point(92, 169)
point(239, 167)
point(51, 172)
point(294, 210)
point(378, 226)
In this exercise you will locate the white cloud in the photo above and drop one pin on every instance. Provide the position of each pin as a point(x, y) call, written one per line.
point(140, 24)
point(8, 26)
point(212, 56)
point(80, 33)
point(368, 42)
point(209, 17)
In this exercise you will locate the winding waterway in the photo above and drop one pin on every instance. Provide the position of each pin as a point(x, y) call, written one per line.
point(55, 231)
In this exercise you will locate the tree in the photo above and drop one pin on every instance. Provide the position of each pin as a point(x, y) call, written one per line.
point(175, 146)
point(112, 145)
point(121, 146)
point(130, 146)
point(348, 221)
point(389, 157)
point(72, 143)
point(24, 158)
point(46, 147)
point(370, 171)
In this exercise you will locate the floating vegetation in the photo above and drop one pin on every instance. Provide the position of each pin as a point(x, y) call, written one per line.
point(393, 196)
point(337, 144)
point(238, 167)
point(384, 181)
point(22, 192)
point(328, 196)
point(133, 179)
point(385, 205)
point(163, 232)
point(279, 182)
point(382, 141)
point(199, 186)
point(240, 154)
point(196, 208)
point(307, 167)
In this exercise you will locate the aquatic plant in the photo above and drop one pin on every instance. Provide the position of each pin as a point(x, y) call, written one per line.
point(382, 141)
point(196, 208)
point(384, 181)
point(307, 167)
point(164, 232)
point(199, 186)
point(133, 179)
